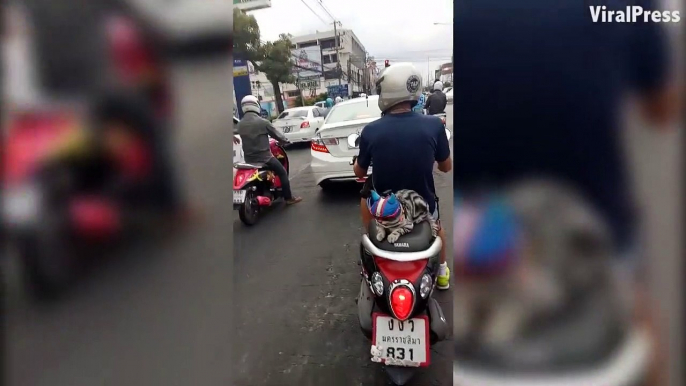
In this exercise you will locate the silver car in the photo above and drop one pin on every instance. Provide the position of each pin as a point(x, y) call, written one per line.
point(331, 153)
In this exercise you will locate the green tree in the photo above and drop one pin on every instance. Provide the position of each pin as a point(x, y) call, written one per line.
point(271, 58)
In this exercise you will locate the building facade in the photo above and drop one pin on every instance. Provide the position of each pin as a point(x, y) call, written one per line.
point(340, 60)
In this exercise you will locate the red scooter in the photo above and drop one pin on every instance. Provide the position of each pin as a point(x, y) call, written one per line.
point(46, 223)
point(255, 187)
point(42, 217)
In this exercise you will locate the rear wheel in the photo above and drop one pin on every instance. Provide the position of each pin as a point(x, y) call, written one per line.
point(249, 212)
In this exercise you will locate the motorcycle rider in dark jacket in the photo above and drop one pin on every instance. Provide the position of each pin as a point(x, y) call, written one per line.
point(436, 102)
point(255, 132)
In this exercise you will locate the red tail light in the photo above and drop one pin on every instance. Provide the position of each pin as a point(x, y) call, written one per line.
point(402, 301)
point(318, 145)
point(305, 125)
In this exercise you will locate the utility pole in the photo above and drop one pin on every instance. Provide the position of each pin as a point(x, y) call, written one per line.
point(428, 72)
point(350, 76)
point(336, 41)
point(367, 79)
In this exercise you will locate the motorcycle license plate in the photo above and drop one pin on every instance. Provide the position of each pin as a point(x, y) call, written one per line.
point(397, 343)
point(238, 196)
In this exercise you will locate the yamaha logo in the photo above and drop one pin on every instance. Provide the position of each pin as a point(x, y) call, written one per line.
point(401, 245)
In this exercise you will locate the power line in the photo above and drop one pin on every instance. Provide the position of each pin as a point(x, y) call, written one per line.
point(326, 10)
point(312, 10)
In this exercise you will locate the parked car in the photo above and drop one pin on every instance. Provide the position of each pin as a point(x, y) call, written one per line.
point(300, 124)
point(331, 154)
point(449, 95)
point(320, 104)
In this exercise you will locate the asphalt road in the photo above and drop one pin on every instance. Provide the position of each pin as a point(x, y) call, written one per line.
point(158, 314)
point(296, 280)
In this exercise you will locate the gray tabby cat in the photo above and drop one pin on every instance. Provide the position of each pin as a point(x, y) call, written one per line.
point(413, 210)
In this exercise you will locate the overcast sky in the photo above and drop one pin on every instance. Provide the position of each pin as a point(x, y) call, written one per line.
point(398, 30)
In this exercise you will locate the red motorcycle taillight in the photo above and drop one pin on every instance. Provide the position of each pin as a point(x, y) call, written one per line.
point(402, 301)
point(305, 125)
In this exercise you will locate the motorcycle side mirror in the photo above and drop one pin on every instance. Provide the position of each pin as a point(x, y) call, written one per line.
point(448, 134)
point(353, 140)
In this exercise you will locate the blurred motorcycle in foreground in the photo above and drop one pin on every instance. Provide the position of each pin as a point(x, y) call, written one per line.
point(70, 193)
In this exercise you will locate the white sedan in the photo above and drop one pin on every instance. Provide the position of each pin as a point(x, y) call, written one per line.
point(331, 153)
point(300, 124)
point(449, 95)
point(238, 155)
point(332, 148)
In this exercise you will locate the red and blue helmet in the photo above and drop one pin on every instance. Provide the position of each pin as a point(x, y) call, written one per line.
point(383, 207)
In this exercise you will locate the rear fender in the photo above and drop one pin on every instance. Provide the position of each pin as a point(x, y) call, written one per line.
point(31, 136)
point(243, 177)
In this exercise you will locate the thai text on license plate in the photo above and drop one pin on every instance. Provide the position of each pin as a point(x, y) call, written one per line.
point(397, 343)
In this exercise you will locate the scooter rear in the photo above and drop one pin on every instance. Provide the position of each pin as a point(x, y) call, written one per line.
point(256, 187)
point(396, 310)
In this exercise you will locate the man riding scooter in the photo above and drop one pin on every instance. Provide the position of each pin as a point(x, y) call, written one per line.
point(404, 146)
point(255, 132)
point(436, 102)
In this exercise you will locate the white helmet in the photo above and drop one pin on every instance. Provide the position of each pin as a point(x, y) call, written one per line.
point(339, 99)
point(438, 86)
point(398, 83)
point(250, 103)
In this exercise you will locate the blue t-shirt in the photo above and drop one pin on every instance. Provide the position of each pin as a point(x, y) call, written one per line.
point(539, 88)
point(403, 149)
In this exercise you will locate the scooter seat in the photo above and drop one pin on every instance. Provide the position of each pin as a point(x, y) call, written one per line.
point(420, 239)
point(248, 166)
